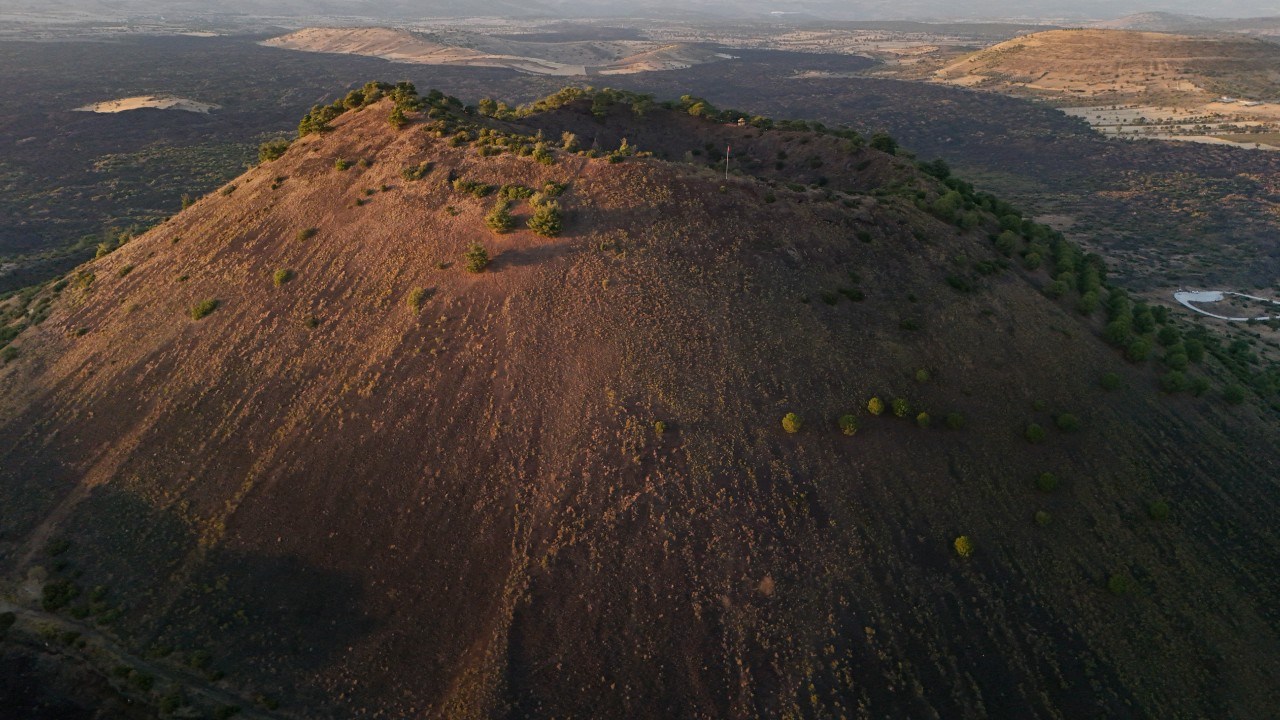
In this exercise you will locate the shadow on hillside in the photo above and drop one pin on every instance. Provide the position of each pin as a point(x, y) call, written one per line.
point(266, 620)
point(526, 256)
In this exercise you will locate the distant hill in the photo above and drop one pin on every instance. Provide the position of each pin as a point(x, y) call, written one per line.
point(556, 57)
point(1153, 22)
point(741, 419)
point(1171, 22)
point(1099, 65)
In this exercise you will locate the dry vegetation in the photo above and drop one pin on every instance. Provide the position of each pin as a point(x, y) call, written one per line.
point(560, 486)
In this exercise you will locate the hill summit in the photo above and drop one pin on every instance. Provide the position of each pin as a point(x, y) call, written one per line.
point(607, 407)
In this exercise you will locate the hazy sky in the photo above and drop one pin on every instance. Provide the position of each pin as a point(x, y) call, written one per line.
point(828, 9)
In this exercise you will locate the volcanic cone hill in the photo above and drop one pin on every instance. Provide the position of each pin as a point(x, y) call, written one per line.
point(287, 447)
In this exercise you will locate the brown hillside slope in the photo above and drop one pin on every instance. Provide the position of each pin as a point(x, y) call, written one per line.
point(1121, 65)
point(465, 510)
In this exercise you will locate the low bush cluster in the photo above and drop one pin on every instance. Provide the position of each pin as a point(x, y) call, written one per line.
point(475, 259)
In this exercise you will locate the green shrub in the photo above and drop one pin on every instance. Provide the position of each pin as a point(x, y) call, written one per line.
point(1158, 510)
point(901, 407)
point(875, 406)
point(1119, 584)
point(554, 189)
point(547, 220)
point(57, 594)
point(884, 142)
point(1168, 335)
point(848, 424)
point(341, 164)
point(955, 421)
point(272, 150)
point(199, 659)
point(963, 546)
point(417, 298)
point(170, 702)
point(1035, 433)
point(922, 376)
point(1176, 361)
point(1117, 331)
point(923, 420)
point(280, 277)
point(500, 219)
point(791, 422)
point(1199, 385)
point(542, 155)
point(1047, 482)
point(514, 192)
point(416, 172)
point(1007, 242)
point(1195, 350)
point(1068, 422)
point(1110, 381)
point(477, 189)
point(659, 427)
point(203, 308)
point(1088, 303)
point(475, 259)
point(1056, 289)
point(1174, 382)
point(1233, 394)
point(312, 322)
point(1138, 351)
point(1043, 518)
point(143, 681)
point(307, 233)
point(397, 118)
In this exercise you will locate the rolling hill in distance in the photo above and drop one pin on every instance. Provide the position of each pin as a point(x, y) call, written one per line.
point(1086, 66)
point(557, 57)
point(537, 412)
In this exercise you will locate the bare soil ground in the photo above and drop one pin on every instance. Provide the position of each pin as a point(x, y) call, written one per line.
point(159, 102)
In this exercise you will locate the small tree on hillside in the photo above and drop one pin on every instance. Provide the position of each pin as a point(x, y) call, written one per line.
point(848, 424)
point(901, 407)
point(547, 220)
point(884, 142)
point(270, 150)
point(1035, 433)
point(500, 219)
point(475, 259)
point(397, 118)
